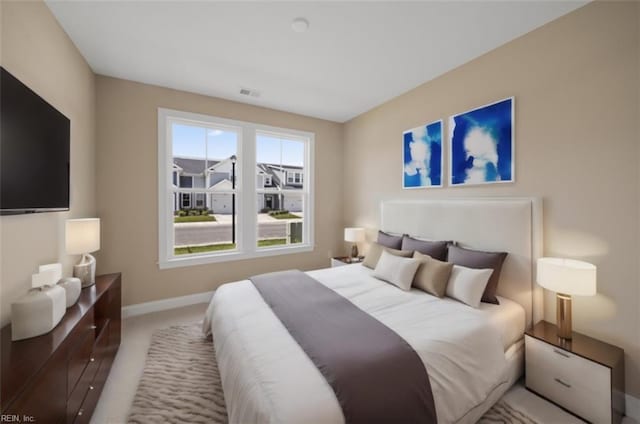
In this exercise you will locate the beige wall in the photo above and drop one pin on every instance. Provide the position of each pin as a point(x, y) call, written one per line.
point(575, 81)
point(38, 52)
point(127, 181)
point(576, 87)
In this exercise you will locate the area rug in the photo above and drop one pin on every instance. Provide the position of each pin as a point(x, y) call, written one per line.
point(181, 384)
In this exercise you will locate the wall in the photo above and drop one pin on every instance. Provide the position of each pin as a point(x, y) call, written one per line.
point(37, 51)
point(127, 146)
point(575, 81)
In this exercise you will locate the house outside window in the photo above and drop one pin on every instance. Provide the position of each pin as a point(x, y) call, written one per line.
point(223, 211)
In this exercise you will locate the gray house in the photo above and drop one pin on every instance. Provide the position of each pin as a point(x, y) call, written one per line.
point(217, 174)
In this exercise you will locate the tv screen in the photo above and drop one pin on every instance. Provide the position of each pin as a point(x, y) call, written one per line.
point(34, 151)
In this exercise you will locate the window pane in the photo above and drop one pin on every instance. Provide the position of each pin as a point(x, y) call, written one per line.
point(199, 229)
point(280, 218)
point(204, 157)
point(280, 163)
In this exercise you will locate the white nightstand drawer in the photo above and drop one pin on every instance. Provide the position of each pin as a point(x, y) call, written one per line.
point(580, 385)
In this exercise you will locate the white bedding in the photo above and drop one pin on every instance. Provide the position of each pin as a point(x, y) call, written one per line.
point(267, 377)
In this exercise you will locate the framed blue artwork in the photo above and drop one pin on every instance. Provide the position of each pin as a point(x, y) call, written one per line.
point(481, 144)
point(422, 156)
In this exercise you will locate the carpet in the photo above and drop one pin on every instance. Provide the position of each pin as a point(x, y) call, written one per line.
point(181, 384)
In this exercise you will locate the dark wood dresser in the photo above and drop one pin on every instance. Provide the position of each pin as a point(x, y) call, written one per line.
point(58, 377)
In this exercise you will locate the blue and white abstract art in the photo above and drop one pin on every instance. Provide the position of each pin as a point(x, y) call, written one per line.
point(481, 145)
point(422, 156)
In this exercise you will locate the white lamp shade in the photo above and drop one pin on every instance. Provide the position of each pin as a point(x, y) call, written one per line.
point(354, 234)
point(82, 235)
point(567, 276)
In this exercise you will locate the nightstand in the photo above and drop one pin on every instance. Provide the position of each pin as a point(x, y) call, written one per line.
point(345, 260)
point(583, 375)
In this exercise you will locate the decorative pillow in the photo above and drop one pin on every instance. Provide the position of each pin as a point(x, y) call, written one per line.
point(467, 284)
point(480, 260)
point(432, 275)
point(435, 249)
point(396, 270)
point(389, 240)
point(375, 250)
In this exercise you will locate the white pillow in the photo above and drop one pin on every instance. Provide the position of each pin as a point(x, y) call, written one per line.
point(396, 270)
point(468, 284)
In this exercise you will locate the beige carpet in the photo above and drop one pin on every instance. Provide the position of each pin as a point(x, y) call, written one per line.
point(181, 384)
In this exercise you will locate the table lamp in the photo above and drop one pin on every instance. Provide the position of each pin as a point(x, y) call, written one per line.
point(82, 236)
point(354, 235)
point(566, 277)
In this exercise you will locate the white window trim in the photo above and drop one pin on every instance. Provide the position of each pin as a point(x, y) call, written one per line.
point(246, 209)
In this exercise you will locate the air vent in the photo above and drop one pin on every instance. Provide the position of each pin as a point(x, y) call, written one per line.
point(249, 92)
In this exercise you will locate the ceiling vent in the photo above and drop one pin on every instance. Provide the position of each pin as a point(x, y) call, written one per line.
point(249, 92)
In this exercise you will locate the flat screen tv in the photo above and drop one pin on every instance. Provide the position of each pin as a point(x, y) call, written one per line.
point(34, 151)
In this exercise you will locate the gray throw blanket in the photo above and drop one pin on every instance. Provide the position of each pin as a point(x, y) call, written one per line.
point(376, 375)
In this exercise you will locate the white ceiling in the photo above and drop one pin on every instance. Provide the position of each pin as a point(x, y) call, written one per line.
point(355, 56)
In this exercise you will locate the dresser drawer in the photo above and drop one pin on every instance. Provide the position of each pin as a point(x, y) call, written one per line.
point(78, 359)
point(85, 384)
point(89, 381)
point(578, 384)
point(80, 344)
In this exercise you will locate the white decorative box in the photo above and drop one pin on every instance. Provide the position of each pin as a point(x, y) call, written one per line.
point(38, 312)
point(72, 287)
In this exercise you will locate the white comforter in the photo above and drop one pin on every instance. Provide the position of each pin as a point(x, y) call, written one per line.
point(268, 378)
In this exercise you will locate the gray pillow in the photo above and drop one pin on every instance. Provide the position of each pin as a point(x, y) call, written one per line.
point(480, 260)
point(389, 240)
point(435, 249)
point(375, 250)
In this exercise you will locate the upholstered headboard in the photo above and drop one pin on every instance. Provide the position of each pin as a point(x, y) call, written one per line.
point(512, 225)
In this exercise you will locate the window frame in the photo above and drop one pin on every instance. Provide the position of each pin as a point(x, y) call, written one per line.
point(246, 190)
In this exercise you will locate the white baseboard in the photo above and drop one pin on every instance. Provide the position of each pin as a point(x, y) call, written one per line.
point(165, 304)
point(633, 408)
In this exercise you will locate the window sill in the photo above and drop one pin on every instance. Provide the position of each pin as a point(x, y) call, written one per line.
point(179, 262)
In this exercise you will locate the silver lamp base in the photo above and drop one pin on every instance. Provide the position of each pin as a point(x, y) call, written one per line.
point(85, 270)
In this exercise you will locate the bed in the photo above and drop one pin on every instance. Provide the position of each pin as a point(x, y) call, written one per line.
point(472, 355)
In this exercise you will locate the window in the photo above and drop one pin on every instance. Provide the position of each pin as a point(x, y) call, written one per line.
point(186, 181)
point(231, 201)
point(282, 208)
point(294, 177)
point(186, 201)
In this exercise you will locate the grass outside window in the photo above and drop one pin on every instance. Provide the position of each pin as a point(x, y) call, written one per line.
point(187, 250)
point(196, 218)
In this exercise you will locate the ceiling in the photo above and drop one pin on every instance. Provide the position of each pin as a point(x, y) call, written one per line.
point(355, 55)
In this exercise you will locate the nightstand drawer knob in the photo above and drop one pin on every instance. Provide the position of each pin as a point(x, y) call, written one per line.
point(561, 353)
point(567, 385)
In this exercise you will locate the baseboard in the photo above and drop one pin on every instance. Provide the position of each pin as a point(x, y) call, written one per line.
point(165, 304)
point(633, 407)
